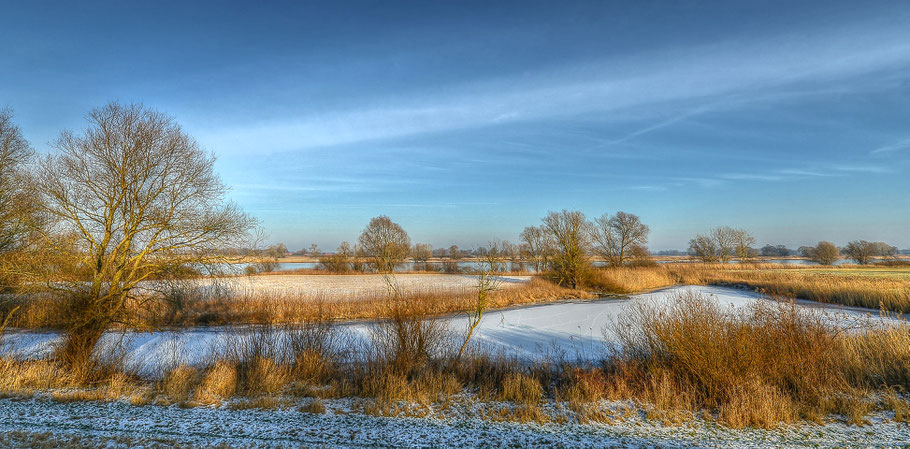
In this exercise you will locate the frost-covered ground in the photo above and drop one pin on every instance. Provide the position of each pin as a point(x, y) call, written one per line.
point(119, 424)
point(573, 329)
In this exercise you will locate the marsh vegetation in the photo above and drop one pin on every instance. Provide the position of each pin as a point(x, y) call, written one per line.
point(109, 234)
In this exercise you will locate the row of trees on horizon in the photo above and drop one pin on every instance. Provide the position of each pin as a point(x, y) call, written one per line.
point(565, 239)
point(617, 240)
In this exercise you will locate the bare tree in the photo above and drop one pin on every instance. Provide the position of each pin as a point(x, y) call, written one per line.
point(454, 252)
point(539, 246)
point(512, 253)
point(487, 283)
point(703, 248)
point(742, 244)
point(825, 253)
point(884, 250)
point(276, 251)
point(570, 231)
point(725, 239)
point(615, 237)
point(141, 197)
point(494, 256)
point(421, 254)
point(640, 255)
point(385, 243)
point(722, 244)
point(861, 251)
point(18, 204)
point(314, 250)
point(454, 255)
point(357, 259)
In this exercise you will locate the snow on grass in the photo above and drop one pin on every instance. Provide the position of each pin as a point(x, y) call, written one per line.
point(136, 426)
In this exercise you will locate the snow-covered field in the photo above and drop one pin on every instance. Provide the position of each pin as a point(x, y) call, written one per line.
point(353, 286)
point(574, 329)
point(119, 424)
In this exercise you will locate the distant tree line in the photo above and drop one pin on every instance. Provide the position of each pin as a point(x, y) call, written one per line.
point(724, 244)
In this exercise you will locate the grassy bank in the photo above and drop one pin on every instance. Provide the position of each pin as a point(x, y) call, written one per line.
point(886, 288)
point(189, 304)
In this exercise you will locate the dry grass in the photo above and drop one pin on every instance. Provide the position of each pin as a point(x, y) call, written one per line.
point(315, 406)
point(774, 363)
point(218, 384)
point(521, 389)
point(627, 280)
point(269, 308)
point(178, 384)
point(869, 287)
point(768, 365)
point(192, 305)
point(828, 286)
point(27, 376)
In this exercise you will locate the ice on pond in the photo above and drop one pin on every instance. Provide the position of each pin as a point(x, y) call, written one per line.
point(574, 329)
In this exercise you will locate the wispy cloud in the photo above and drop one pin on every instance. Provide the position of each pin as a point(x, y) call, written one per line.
point(896, 146)
point(661, 124)
point(803, 172)
point(763, 176)
point(751, 177)
point(739, 71)
point(862, 168)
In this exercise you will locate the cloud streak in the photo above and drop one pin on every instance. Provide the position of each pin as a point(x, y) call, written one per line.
point(740, 73)
point(897, 146)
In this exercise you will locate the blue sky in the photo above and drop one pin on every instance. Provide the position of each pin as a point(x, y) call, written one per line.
point(466, 121)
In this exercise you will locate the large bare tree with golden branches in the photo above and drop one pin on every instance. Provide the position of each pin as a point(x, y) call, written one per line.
point(138, 196)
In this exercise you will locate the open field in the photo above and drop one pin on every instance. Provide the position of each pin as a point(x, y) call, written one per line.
point(356, 288)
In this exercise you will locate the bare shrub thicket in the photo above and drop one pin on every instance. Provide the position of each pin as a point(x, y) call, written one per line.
point(410, 333)
point(487, 283)
point(421, 254)
point(340, 262)
point(723, 244)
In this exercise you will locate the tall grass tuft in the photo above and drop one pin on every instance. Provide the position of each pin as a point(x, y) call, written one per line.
point(769, 364)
